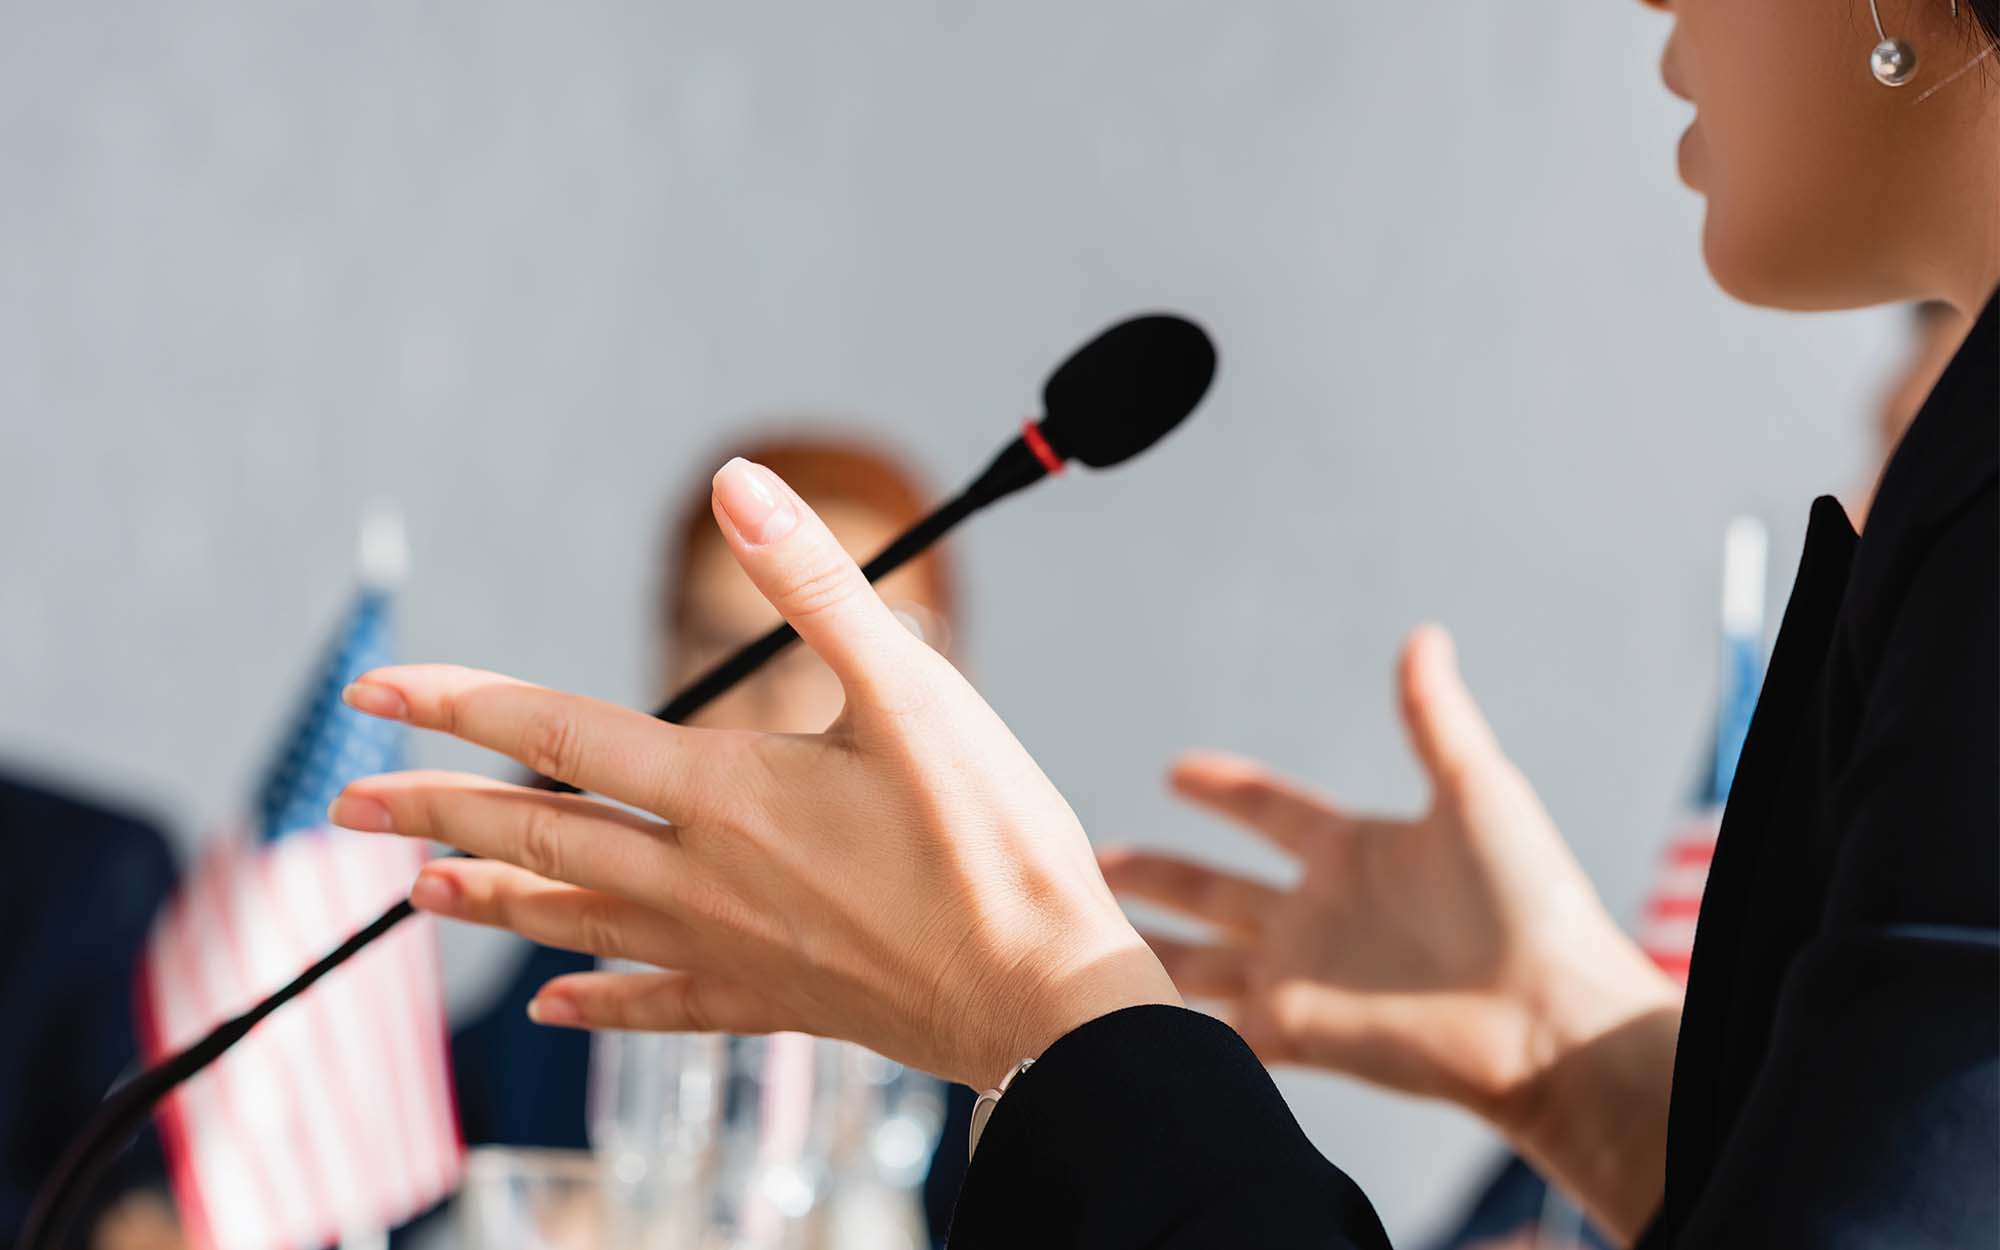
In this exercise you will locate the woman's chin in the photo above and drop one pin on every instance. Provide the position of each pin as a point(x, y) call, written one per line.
point(1738, 268)
point(1764, 269)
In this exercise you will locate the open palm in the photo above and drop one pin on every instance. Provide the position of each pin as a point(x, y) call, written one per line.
point(1420, 954)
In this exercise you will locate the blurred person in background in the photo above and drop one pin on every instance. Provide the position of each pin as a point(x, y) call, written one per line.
point(520, 1085)
point(79, 886)
point(708, 608)
point(1507, 1211)
point(910, 880)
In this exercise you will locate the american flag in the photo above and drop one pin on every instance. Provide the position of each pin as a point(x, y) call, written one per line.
point(334, 1118)
point(1666, 925)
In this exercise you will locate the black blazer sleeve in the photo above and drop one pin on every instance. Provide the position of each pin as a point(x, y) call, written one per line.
point(1154, 1127)
point(1875, 1118)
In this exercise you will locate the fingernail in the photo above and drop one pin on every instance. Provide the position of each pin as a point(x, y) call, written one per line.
point(374, 699)
point(434, 893)
point(759, 508)
point(363, 815)
point(556, 1011)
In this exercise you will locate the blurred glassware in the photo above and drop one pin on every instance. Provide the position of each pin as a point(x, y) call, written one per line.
point(780, 1120)
point(786, 1142)
point(886, 1130)
point(520, 1199)
point(655, 1104)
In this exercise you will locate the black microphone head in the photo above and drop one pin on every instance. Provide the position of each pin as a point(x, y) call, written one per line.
point(1121, 392)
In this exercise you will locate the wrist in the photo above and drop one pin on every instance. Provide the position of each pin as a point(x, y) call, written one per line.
point(1091, 980)
point(1593, 1114)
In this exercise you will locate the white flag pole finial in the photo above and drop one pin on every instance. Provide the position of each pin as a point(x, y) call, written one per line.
point(384, 555)
point(1745, 550)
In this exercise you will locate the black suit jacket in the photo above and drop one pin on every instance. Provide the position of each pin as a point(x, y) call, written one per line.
point(78, 888)
point(1837, 1081)
point(1838, 1077)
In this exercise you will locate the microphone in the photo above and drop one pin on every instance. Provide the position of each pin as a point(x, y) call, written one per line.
point(1111, 399)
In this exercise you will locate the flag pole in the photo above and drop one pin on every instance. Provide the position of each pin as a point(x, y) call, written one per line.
point(1746, 547)
point(382, 563)
point(382, 555)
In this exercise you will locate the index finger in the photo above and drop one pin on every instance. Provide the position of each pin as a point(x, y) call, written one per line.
point(1253, 796)
point(797, 564)
point(593, 745)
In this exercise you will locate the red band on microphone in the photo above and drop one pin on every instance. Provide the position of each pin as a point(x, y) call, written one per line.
point(1031, 434)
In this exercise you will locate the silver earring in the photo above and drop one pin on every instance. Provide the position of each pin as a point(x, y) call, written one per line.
point(1893, 62)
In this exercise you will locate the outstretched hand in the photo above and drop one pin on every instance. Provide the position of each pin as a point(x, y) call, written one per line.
point(1461, 954)
point(907, 879)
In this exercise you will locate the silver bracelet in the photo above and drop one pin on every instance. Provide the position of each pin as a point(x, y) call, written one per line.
point(982, 1110)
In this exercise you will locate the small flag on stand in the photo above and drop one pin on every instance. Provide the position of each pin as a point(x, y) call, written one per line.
point(334, 1118)
point(1666, 927)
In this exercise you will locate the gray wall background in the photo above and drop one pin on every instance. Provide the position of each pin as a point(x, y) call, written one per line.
point(523, 267)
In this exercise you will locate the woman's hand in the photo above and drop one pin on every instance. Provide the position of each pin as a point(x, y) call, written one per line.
point(1461, 955)
point(907, 879)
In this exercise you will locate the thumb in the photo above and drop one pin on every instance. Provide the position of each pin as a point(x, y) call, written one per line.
point(1447, 729)
point(796, 563)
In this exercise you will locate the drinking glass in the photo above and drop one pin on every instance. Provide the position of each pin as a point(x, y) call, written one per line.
point(514, 1199)
point(780, 1109)
point(653, 1114)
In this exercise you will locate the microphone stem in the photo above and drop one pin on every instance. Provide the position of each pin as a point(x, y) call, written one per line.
point(908, 546)
point(1015, 467)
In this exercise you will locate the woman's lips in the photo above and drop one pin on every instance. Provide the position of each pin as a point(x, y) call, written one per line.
point(1689, 152)
point(1690, 143)
point(1669, 73)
